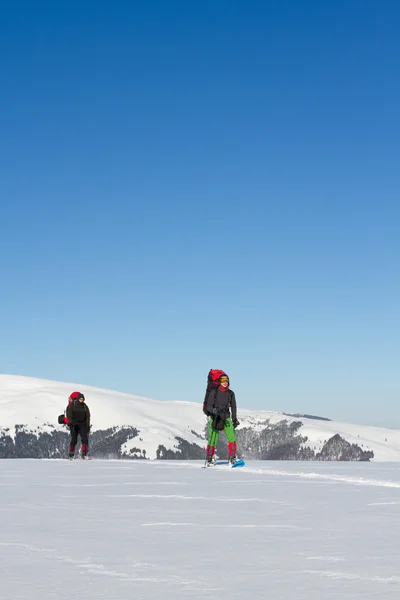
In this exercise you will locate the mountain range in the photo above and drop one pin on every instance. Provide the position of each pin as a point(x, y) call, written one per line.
point(129, 426)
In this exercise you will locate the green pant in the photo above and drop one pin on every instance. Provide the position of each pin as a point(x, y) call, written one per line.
point(214, 435)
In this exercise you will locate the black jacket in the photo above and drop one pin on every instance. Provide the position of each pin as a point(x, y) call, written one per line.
point(78, 413)
point(224, 402)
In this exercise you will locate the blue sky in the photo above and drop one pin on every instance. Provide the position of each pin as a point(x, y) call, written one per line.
point(196, 185)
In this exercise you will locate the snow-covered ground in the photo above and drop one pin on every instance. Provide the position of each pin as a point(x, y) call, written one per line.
point(148, 530)
point(36, 403)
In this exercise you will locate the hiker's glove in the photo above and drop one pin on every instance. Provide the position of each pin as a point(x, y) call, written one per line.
point(235, 423)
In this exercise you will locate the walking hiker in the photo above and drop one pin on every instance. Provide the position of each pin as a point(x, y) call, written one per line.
point(220, 406)
point(78, 415)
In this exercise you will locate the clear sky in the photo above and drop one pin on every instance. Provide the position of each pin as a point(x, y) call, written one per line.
point(207, 184)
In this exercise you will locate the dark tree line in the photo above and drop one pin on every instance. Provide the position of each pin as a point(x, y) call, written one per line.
point(267, 441)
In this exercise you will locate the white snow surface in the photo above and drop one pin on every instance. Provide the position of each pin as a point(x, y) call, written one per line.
point(36, 403)
point(158, 530)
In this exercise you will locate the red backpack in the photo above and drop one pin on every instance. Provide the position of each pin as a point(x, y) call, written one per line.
point(213, 381)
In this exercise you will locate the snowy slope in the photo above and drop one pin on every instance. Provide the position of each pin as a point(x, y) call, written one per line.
point(36, 403)
point(384, 442)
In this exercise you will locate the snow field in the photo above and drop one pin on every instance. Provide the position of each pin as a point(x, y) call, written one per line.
point(144, 530)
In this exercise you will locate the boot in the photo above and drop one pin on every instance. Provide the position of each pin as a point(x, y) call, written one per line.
point(210, 456)
point(232, 449)
point(233, 459)
point(84, 450)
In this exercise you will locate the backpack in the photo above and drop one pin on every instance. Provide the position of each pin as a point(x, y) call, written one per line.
point(213, 381)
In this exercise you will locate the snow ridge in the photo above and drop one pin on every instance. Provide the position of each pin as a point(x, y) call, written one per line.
point(36, 403)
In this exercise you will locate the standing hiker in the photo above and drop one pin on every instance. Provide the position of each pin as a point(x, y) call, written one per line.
point(78, 415)
point(220, 406)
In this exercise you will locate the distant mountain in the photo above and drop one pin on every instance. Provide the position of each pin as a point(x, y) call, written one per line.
point(128, 426)
point(305, 416)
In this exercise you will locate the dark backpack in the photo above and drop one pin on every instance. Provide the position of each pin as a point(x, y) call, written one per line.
point(213, 381)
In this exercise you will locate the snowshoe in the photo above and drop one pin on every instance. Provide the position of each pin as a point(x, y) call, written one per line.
point(209, 462)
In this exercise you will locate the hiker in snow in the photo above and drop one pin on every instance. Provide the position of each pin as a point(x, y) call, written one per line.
point(220, 403)
point(78, 415)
